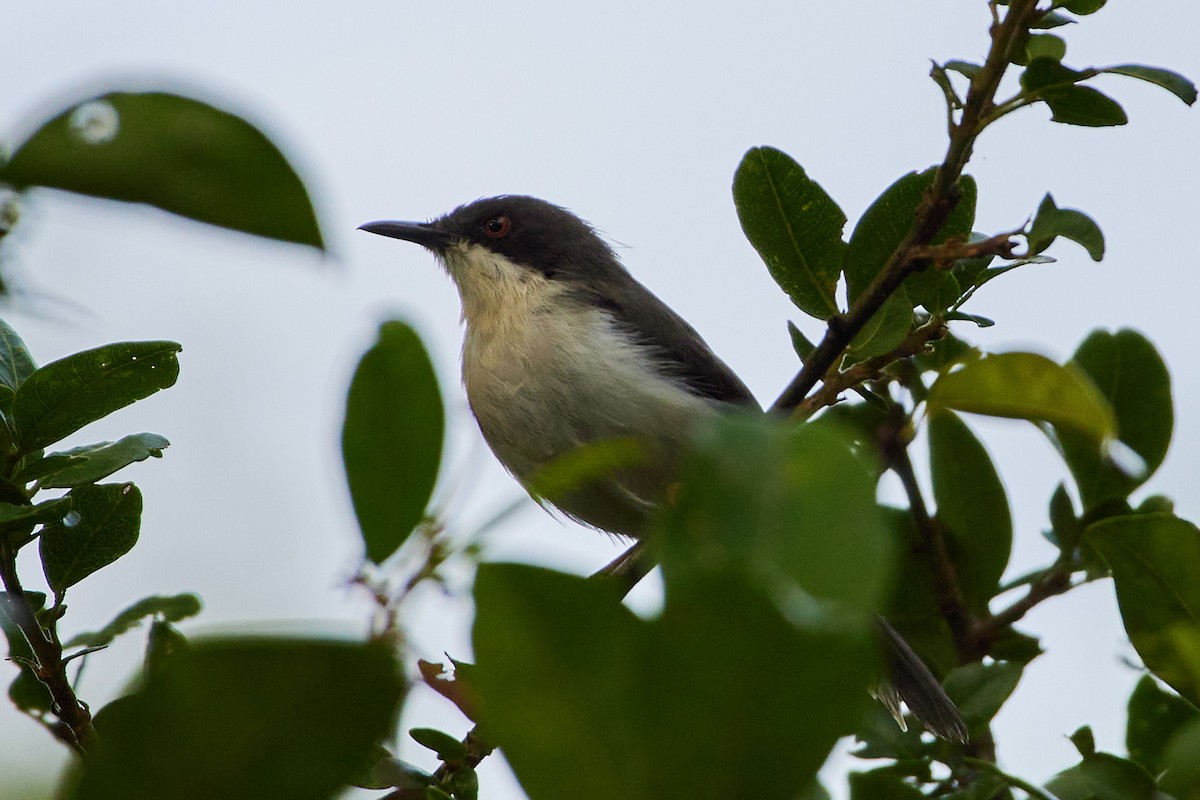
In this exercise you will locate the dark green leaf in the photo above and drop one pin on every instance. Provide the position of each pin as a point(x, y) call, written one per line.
point(63, 396)
point(93, 462)
point(983, 322)
point(881, 737)
point(1049, 73)
point(26, 691)
point(1027, 386)
point(979, 690)
point(1103, 776)
point(1131, 374)
point(1083, 105)
point(164, 644)
point(101, 526)
point(1155, 715)
point(171, 608)
point(463, 784)
point(16, 365)
point(392, 438)
point(886, 329)
point(794, 225)
point(800, 342)
point(1052, 222)
point(1173, 82)
point(176, 153)
point(882, 784)
point(1050, 20)
point(1182, 778)
point(795, 506)
point(1153, 558)
point(1080, 7)
point(935, 289)
point(14, 516)
point(1046, 45)
point(972, 505)
point(571, 682)
point(447, 747)
point(248, 718)
point(914, 609)
point(1064, 524)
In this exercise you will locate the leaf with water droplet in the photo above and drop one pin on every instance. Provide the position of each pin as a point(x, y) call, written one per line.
point(177, 153)
point(63, 396)
point(109, 518)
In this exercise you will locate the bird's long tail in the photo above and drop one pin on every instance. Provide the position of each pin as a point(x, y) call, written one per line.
point(910, 681)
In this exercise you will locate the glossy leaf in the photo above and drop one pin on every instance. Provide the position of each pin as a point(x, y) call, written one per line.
point(171, 608)
point(14, 515)
point(93, 462)
point(1153, 560)
point(1130, 373)
point(177, 153)
point(1052, 222)
point(972, 505)
point(392, 438)
point(572, 682)
point(795, 506)
point(1173, 82)
point(244, 717)
point(980, 690)
point(795, 226)
point(101, 526)
point(63, 396)
point(1027, 386)
point(1155, 716)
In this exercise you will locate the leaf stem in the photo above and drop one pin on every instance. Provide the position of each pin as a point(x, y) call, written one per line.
point(940, 199)
point(50, 668)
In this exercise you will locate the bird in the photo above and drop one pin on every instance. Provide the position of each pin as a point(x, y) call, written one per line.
point(563, 347)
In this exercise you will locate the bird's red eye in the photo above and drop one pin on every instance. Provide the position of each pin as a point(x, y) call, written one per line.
point(497, 226)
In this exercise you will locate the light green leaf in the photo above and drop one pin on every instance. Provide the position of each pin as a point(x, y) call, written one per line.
point(794, 225)
point(1080, 7)
point(1173, 82)
point(171, 608)
point(63, 396)
point(972, 505)
point(1153, 559)
point(246, 717)
point(794, 506)
point(1046, 45)
point(1027, 386)
point(93, 462)
point(101, 526)
point(392, 438)
point(1130, 373)
point(179, 154)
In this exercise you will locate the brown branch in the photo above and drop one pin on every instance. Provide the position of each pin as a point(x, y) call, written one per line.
point(940, 199)
point(835, 384)
point(48, 666)
point(952, 603)
point(944, 256)
point(1054, 582)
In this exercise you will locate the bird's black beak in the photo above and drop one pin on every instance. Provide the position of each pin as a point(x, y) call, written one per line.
point(422, 233)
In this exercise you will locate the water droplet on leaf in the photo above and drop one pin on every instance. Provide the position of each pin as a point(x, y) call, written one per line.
point(96, 122)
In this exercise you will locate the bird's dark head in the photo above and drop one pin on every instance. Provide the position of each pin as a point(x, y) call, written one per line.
point(527, 232)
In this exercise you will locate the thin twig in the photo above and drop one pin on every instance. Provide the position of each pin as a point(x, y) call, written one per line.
point(940, 199)
point(49, 666)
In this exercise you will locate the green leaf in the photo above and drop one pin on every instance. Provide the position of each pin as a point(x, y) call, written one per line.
point(972, 505)
point(572, 682)
point(1155, 715)
point(1182, 775)
point(965, 68)
point(794, 506)
point(584, 465)
point(886, 328)
point(1048, 73)
point(800, 343)
point(63, 396)
point(392, 438)
point(1084, 106)
point(1080, 7)
point(1153, 559)
point(1052, 222)
point(245, 717)
point(980, 690)
point(447, 747)
point(1046, 45)
point(179, 154)
point(93, 462)
point(882, 784)
point(1027, 386)
point(1131, 374)
point(795, 226)
point(16, 365)
point(1173, 82)
point(24, 516)
point(1051, 19)
point(101, 527)
point(171, 608)
point(26, 691)
point(1102, 776)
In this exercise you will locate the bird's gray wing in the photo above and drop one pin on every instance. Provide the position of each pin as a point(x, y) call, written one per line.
point(683, 353)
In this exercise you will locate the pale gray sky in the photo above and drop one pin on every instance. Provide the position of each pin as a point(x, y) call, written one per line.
point(634, 115)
